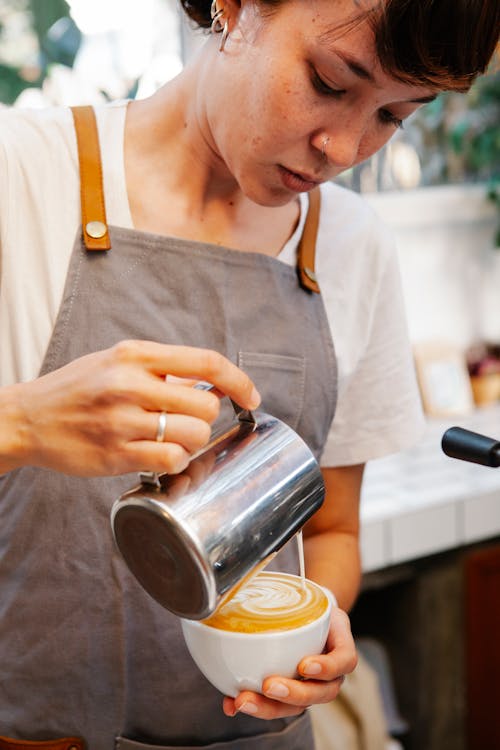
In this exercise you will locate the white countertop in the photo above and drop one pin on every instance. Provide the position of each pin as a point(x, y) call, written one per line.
point(419, 502)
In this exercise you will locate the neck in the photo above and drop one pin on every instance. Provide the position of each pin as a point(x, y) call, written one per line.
point(177, 181)
point(173, 132)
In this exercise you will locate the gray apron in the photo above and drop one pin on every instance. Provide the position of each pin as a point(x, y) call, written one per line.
point(84, 651)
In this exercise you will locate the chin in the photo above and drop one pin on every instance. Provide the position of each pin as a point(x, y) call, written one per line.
point(270, 197)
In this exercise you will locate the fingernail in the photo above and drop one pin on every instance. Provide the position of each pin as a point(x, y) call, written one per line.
point(278, 690)
point(248, 708)
point(312, 668)
point(255, 398)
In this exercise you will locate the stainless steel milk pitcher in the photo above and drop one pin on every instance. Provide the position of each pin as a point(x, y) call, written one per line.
point(191, 538)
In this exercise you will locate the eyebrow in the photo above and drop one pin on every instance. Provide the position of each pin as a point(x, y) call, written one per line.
point(424, 99)
point(356, 67)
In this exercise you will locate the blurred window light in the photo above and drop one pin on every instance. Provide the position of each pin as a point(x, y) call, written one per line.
point(127, 44)
point(87, 51)
point(101, 16)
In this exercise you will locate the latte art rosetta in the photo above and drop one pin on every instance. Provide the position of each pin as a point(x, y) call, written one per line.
point(270, 601)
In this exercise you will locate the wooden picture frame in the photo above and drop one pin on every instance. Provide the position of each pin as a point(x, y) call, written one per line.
point(443, 379)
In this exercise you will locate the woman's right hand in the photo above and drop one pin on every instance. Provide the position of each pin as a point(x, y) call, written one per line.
point(99, 414)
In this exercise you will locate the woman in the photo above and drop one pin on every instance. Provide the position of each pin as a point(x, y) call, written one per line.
point(206, 191)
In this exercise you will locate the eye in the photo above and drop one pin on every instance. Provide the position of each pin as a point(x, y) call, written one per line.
point(322, 87)
point(387, 118)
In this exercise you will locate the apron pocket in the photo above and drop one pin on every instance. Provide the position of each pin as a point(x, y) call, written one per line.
point(296, 736)
point(280, 379)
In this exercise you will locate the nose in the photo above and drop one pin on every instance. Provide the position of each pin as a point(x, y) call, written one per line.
point(340, 146)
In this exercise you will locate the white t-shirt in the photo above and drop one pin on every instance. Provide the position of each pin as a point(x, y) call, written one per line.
point(378, 410)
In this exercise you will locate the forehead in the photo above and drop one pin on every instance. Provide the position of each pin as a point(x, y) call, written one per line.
point(324, 21)
point(344, 32)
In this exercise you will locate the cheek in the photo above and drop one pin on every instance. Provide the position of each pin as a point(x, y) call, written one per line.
point(373, 141)
point(281, 103)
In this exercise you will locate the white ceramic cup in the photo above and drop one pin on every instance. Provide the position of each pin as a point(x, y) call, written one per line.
point(234, 661)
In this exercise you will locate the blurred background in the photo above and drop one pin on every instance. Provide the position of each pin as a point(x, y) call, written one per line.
point(428, 616)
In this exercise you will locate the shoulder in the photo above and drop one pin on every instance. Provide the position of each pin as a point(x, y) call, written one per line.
point(38, 166)
point(37, 155)
point(35, 134)
point(38, 139)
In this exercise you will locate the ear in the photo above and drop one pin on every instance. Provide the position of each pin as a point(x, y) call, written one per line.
point(232, 6)
point(232, 10)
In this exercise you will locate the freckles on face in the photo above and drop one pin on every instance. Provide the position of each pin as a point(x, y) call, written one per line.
point(263, 123)
point(261, 85)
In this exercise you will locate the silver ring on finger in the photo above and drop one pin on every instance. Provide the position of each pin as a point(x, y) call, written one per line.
point(162, 425)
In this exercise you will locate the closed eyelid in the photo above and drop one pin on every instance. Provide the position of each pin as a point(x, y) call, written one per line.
point(325, 86)
point(389, 118)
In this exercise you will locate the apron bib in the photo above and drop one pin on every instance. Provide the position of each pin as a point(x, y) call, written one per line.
point(84, 650)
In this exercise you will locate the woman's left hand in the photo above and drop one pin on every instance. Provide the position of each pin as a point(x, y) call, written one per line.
point(322, 677)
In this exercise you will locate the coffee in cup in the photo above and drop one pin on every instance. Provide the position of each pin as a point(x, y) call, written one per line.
point(271, 602)
point(266, 628)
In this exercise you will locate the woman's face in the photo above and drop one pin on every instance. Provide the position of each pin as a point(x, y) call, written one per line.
point(289, 80)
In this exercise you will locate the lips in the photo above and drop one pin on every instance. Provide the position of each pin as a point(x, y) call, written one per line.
point(307, 177)
point(298, 181)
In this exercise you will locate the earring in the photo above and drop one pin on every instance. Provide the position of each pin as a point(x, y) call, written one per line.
point(216, 27)
point(324, 144)
point(216, 15)
point(224, 37)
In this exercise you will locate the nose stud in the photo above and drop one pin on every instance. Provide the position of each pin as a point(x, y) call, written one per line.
point(324, 144)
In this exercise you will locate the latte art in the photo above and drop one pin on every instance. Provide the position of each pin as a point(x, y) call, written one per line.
point(270, 601)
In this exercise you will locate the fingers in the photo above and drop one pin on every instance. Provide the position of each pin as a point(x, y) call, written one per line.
point(191, 433)
point(254, 704)
point(341, 657)
point(178, 399)
point(340, 652)
point(282, 697)
point(170, 458)
point(191, 362)
point(322, 677)
point(98, 415)
point(134, 386)
point(183, 437)
point(302, 693)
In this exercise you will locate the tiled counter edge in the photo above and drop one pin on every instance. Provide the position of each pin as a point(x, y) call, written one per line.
point(420, 502)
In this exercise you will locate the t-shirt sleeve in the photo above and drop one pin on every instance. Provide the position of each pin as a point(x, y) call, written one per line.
point(379, 407)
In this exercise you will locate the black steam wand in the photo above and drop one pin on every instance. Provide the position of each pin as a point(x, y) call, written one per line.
point(471, 446)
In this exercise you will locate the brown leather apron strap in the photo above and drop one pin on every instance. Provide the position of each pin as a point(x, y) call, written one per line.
point(307, 245)
point(64, 743)
point(94, 224)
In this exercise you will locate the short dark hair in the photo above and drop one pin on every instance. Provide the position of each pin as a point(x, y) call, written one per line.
point(444, 44)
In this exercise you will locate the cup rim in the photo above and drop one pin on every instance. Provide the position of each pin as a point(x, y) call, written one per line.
point(268, 634)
